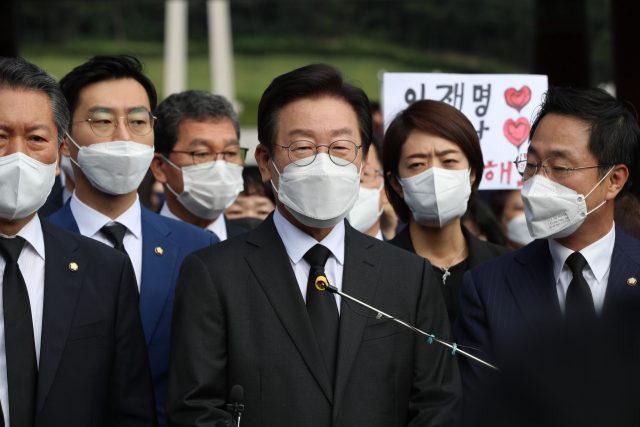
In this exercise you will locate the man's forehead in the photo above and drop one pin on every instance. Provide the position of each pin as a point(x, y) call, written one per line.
point(118, 94)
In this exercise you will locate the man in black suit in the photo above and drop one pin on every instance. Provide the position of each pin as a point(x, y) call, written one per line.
point(198, 160)
point(70, 330)
point(584, 153)
point(247, 311)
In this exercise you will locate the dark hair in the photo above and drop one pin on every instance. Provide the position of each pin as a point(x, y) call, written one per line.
point(195, 105)
point(480, 213)
point(614, 132)
point(438, 119)
point(106, 67)
point(312, 81)
point(627, 215)
point(18, 74)
point(253, 183)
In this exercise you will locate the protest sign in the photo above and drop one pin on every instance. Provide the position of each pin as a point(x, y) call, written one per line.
point(500, 107)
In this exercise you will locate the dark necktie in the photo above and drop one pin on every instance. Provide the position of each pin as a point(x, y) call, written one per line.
point(579, 303)
point(22, 366)
point(322, 309)
point(115, 234)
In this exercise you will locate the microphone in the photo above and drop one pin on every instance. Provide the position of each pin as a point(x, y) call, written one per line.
point(322, 284)
point(235, 396)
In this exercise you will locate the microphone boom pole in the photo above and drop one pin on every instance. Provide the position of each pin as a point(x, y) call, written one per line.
point(322, 284)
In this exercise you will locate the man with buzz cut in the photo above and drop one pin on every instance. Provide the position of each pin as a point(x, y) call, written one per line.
point(247, 311)
point(72, 347)
point(109, 141)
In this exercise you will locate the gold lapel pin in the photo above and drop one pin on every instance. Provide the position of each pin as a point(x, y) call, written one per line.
point(631, 281)
point(159, 251)
point(73, 267)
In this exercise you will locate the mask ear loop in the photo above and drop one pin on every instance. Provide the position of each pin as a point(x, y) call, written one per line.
point(271, 180)
point(170, 162)
point(79, 148)
point(597, 185)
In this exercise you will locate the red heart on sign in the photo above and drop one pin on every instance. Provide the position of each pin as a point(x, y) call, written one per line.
point(517, 132)
point(518, 98)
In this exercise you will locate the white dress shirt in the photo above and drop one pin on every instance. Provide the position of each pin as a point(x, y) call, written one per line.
point(379, 236)
point(596, 272)
point(90, 221)
point(218, 227)
point(31, 263)
point(297, 243)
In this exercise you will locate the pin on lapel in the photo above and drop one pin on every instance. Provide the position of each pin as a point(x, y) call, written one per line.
point(631, 281)
point(159, 251)
point(73, 267)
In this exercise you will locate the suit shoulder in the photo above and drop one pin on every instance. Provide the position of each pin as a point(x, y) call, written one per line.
point(86, 245)
point(392, 253)
point(498, 264)
point(497, 250)
point(184, 231)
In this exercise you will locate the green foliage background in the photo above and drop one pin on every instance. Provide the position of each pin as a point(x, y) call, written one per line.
point(271, 37)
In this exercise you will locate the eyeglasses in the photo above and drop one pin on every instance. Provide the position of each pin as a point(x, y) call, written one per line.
point(371, 175)
point(303, 153)
point(206, 158)
point(555, 168)
point(104, 122)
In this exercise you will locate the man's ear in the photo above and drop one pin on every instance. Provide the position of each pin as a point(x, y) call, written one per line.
point(64, 147)
point(617, 179)
point(264, 162)
point(157, 165)
point(395, 184)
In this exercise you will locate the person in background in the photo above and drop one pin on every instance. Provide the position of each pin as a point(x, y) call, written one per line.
point(433, 166)
point(481, 222)
point(110, 143)
point(372, 208)
point(248, 311)
point(254, 203)
point(584, 152)
point(199, 160)
point(627, 215)
point(72, 345)
point(507, 205)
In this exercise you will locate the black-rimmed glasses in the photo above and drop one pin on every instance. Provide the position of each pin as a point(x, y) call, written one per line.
point(104, 122)
point(303, 153)
point(555, 168)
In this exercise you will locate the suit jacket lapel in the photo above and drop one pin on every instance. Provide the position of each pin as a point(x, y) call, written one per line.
point(61, 289)
point(157, 270)
point(360, 280)
point(271, 267)
point(625, 263)
point(477, 254)
point(533, 285)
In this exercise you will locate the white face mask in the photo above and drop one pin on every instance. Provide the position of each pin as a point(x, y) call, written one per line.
point(115, 167)
point(437, 197)
point(321, 194)
point(210, 188)
point(25, 184)
point(65, 165)
point(517, 230)
point(552, 210)
point(366, 210)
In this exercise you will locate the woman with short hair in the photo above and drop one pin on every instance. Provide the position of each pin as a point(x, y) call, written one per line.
point(433, 166)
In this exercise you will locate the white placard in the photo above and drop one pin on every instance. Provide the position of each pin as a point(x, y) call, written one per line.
point(500, 107)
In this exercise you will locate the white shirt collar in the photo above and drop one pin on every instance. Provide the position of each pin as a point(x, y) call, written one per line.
point(379, 235)
point(218, 226)
point(32, 234)
point(90, 221)
point(597, 254)
point(297, 242)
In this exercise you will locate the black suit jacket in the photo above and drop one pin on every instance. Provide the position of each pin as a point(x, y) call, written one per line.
point(239, 318)
point(510, 296)
point(93, 357)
